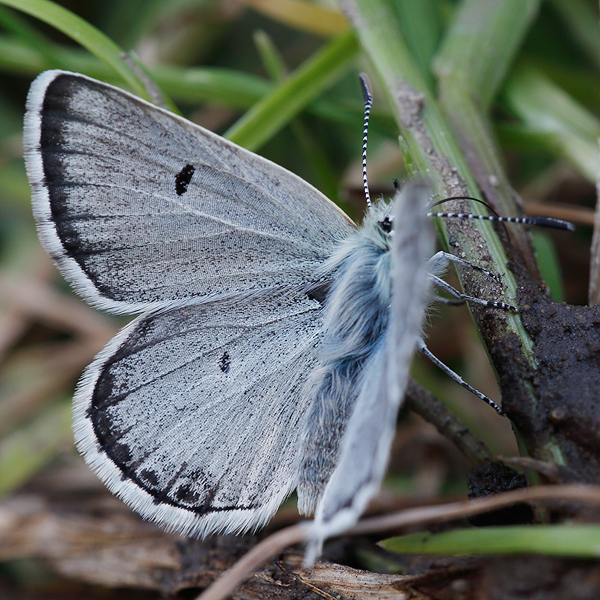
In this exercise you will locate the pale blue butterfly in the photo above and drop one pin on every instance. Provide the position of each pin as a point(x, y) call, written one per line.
point(273, 345)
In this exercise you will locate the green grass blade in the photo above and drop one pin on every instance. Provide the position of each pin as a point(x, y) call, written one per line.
point(326, 181)
point(270, 57)
point(557, 540)
point(581, 18)
point(83, 33)
point(477, 51)
point(421, 24)
point(480, 46)
point(25, 451)
point(571, 132)
point(11, 21)
point(543, 105)
point(269, 115)
point(184, 84)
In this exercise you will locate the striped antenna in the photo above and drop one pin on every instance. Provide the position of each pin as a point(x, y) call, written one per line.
point(366, 90)
point(536, 221)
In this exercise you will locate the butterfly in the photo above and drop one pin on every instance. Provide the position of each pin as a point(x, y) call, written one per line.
point(274, 336)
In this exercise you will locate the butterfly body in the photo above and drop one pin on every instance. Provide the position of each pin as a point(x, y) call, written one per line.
point(355, 320)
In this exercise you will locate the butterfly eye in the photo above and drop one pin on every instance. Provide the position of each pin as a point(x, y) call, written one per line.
point(387, 225)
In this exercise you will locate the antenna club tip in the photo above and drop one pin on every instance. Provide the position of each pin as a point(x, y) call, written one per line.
point(552, 223)
point(366, 87)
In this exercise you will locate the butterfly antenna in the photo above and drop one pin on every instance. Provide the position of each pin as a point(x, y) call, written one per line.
point(364, 82)
point(536, 221)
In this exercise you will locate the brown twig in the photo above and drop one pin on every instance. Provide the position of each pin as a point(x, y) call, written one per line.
point(275, 544)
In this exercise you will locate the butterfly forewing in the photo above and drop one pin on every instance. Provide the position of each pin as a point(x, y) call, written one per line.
point(141, 209)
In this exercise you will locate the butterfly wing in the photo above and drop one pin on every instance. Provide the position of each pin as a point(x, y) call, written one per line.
point(192, 415)
point(366, 442)
point(141, 209)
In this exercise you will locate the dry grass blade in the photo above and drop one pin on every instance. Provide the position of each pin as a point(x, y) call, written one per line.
point(38, 300)
point(305, 16)
point(274, 544)
point(259, 555)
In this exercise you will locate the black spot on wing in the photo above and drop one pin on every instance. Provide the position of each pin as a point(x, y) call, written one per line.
point(183, 179)
point(150, 477)
point(225, 362)
point(186, 495)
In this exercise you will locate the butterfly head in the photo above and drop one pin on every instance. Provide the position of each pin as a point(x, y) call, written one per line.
point(387, 224)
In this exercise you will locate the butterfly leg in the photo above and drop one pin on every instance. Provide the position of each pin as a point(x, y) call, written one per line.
point(423, 349)
point(460, 298)
point(440, 260)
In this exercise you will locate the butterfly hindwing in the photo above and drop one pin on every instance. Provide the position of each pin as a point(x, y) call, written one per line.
point(192, 415)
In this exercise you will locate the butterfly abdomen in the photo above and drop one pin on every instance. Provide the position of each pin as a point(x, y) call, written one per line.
point(355, 318)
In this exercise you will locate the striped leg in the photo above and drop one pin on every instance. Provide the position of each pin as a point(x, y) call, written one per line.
point(423, 349)
point(462, 298)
